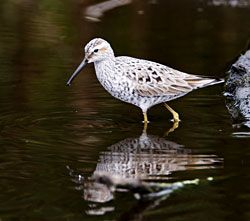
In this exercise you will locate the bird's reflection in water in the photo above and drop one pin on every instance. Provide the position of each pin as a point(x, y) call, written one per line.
point(147, 157)
point(150, 157)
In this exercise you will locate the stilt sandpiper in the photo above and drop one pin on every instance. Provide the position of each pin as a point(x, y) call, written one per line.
point(140, 82)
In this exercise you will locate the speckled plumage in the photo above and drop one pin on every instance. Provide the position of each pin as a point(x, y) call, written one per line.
point(140, 82)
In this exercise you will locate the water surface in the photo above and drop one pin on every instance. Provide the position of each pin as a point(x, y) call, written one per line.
point(46, 127)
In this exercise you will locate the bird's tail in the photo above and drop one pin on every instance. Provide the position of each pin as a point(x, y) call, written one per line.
point(200, 81)
point(214, 81)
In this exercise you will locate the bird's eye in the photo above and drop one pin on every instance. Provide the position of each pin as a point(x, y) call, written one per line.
point(96, 50)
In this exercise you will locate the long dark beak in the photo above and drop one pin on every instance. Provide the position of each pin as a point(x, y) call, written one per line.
point(77, 71)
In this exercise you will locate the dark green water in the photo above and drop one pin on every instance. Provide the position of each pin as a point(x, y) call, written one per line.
point(46, 126)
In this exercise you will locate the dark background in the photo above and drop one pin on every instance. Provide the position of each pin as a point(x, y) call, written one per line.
point(45, 126)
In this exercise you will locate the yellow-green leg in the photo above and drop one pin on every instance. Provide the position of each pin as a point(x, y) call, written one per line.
point(174, 126)
point(145, 121)
point(145, 117)
point(175, 114)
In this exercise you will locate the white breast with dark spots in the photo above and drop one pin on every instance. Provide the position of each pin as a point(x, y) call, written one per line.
point(115, 83)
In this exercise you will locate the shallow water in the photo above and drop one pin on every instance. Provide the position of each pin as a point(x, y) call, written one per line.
point(46, 127)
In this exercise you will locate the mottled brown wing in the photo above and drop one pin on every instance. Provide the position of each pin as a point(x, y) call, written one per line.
point(153, 79)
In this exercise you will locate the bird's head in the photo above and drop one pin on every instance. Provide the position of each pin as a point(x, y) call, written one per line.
point(96, 50)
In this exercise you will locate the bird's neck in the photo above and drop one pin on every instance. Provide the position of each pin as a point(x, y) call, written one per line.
point(105, 68)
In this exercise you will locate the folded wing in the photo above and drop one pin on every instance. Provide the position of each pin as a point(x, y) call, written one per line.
point(153, 79)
